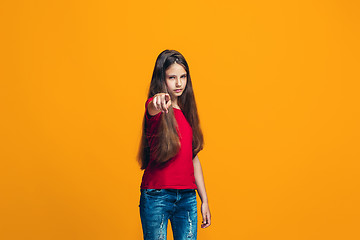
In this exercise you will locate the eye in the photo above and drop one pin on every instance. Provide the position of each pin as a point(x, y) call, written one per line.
point(171, 77)
point(183, 76)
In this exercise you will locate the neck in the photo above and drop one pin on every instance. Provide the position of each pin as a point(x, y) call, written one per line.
point(174, 102)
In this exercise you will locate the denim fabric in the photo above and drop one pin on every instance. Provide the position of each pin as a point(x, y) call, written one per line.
point(157, 206)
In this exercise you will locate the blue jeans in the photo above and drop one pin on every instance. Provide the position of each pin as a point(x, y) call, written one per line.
point(157, 206)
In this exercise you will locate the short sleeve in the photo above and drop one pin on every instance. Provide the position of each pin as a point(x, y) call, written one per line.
point(194, 154)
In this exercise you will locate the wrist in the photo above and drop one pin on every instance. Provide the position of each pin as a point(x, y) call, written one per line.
point(204, 201)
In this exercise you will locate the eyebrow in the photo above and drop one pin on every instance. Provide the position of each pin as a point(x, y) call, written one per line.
point(175, 75)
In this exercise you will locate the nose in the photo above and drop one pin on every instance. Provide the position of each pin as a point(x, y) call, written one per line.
point(178, 82)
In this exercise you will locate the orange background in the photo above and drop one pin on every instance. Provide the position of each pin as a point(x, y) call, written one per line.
point(277, 88)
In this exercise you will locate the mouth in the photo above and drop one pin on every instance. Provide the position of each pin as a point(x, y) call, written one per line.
point(177, 90)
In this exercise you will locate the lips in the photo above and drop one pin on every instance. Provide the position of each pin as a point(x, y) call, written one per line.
point(177, 90)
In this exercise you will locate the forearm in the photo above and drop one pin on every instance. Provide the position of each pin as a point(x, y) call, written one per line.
point(152, 109)
point(199, 179)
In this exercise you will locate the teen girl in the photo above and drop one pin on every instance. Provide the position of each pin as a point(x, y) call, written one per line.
point(170, 143)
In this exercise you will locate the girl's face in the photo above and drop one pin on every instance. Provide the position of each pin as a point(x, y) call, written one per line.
point(176, 78)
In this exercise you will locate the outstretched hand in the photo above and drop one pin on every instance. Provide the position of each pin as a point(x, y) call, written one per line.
point(206, 216)
point(162, 102)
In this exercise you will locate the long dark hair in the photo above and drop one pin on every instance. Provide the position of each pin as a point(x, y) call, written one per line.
point(168, 143)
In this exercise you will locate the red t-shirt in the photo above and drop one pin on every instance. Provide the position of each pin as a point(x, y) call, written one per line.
point(178, 172)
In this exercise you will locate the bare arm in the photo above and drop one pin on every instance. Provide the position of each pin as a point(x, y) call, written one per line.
point(199, 180)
